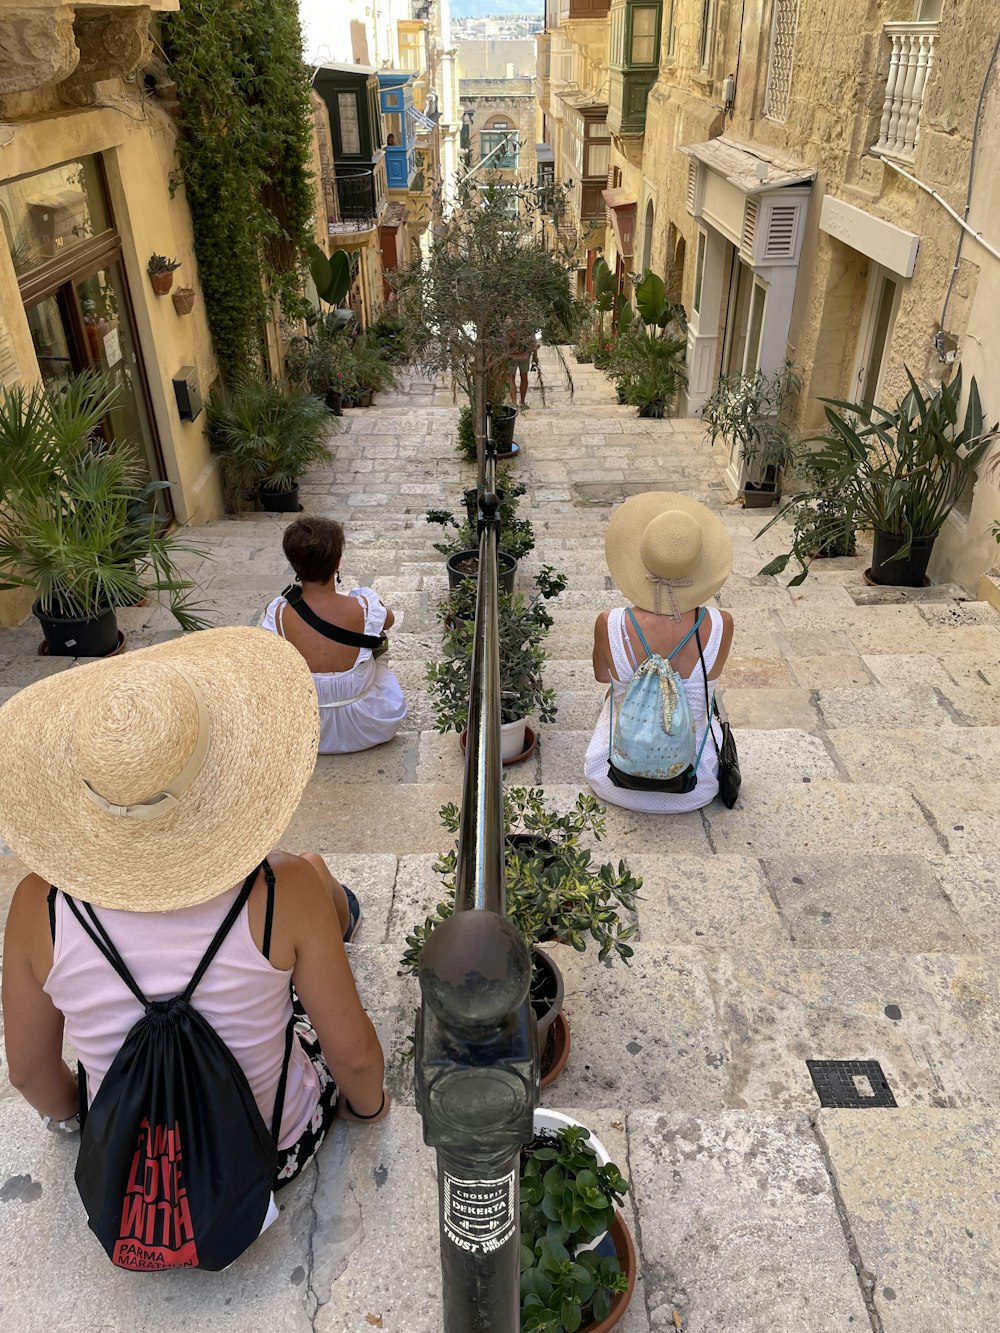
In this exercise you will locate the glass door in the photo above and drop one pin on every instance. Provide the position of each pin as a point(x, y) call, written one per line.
point(875, 334)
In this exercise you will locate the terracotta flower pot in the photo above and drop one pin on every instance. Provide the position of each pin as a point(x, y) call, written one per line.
point(183, 299)
point(162, 282)
point(555, 1050)
point(621, 1239)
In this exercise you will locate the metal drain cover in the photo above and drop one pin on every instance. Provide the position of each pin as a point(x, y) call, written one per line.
point(850, 1083)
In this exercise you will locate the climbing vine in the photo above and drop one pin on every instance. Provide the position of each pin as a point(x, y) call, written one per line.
point(245, 146)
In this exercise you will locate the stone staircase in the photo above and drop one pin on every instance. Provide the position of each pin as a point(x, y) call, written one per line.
point(846, 909)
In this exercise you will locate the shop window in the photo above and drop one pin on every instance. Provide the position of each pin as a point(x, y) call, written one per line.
point(53, 211)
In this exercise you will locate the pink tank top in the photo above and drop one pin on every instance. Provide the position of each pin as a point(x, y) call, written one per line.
point(245, 999)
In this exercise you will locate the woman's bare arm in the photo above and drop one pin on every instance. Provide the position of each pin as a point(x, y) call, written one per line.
point(33, 1026)
point(602, 654)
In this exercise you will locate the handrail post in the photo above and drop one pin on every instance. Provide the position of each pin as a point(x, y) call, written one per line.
point(476, 1068)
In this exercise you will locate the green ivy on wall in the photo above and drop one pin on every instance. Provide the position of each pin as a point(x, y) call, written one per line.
point(245, 148)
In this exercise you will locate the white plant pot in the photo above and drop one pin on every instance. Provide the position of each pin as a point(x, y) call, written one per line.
point(553, 1121)
point(512, 738)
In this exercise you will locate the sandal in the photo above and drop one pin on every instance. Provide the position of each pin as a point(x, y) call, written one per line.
point(354, 911)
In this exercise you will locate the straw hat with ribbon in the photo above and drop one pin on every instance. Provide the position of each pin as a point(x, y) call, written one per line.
point(667, 553)
point(159, 779)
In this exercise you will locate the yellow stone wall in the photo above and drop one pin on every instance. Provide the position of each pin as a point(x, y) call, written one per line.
point(139, 158)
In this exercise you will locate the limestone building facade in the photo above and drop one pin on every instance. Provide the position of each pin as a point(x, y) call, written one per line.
point(797, 181)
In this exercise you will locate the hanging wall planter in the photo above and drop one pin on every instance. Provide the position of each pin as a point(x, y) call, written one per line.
point(183, 299)
point(161, 273)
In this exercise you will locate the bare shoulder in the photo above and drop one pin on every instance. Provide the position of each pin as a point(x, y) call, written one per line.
point(27, 932)
point(30, 900)
point(297, 882)
point(601, 623)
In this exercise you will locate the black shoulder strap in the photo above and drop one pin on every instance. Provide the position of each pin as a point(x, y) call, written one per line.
point(104, 943)
point(265, 947)
point(348, 637)
point(52, 910)
point(710, 709)
point(224, 929)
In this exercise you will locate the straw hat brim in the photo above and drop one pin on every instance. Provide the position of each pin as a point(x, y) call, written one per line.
point(264, 734)
point(622, 548)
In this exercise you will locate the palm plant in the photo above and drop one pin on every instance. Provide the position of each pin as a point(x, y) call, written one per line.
point(266, 436)
point(899, 471)
point(373, 373)
point(77, 518)
point(649, 368)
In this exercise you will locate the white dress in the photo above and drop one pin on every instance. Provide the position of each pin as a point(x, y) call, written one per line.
point(595, 765)
point(361, 707)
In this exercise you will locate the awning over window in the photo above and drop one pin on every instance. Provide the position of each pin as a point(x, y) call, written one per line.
point(749, 169)
point(622, 211)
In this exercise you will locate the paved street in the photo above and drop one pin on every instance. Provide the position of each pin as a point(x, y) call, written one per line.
point(846, 909)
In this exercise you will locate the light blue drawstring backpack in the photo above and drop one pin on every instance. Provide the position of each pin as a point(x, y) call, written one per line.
point(651, 745)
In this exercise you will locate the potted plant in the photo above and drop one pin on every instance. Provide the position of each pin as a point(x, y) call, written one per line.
point(465, 437)
point(555, 893)
point(577, 1263)
point(390, 336)
point(489, 275)
point(898, 472)
point(78, 520)
point(267, 436)
point(372, 372)
point(523, 626)
point(161, 272)
point(746, 411)
point(183, 299)
point(460, 542)
point(324, 361)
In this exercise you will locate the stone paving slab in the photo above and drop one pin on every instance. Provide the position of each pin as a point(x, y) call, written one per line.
point(740, 1230)
point(921, 1193)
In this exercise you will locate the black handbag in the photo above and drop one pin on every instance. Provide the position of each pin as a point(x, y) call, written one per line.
point(377, 643)
point(730, 777)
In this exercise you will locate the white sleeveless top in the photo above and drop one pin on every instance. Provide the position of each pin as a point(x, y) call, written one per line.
point(246, 1000)
point(595, 765)
point(360, 707)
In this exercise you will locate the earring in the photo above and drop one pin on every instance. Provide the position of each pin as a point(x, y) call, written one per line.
point(338, 576)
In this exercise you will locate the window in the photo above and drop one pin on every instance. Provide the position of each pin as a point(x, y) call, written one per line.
point(671, 28)
point(752, 356)
point(707, 23)
point(779, 65)
point(699, 272)
point(596, 149)
point(53, 211)
point(347, 118)
point(502, 144)
point(390, 100)
point(393, 123)
point(928, 11)
point(644, 33)
point(411, 49)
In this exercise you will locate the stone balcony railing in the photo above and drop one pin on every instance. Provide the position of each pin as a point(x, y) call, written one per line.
point(911, 59)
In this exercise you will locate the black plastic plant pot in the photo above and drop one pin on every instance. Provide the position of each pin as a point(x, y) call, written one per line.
point(502, 429)
point(759, 495)
point(94, 637)
point(547, 991)
point(365, 397)
point(334, 400)
point(465, 565)
point(908, 572)
point(280, 502)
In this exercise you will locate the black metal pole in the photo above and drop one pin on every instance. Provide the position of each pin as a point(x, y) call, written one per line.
point(476, 1068)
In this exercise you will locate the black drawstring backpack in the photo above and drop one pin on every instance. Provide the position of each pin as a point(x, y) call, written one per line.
point(176, 1165)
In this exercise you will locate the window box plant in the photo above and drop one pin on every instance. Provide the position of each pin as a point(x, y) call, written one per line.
point(555, 891)
point(898, 472)
point(577, 1259)
point(746, 411)
point(266, 437)
point(161, 272)
point(78, 520)
point(183, 299)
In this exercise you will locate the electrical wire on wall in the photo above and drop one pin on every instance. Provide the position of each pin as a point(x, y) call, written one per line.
point(939, 337)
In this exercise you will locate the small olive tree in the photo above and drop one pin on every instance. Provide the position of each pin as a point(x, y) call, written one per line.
point(494, 275)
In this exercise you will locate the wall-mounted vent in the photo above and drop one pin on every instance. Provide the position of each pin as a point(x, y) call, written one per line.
point(692, 185)
point(781, 225)
point(749, 228)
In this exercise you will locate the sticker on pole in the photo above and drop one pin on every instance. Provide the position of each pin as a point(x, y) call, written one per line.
point(479, 1214)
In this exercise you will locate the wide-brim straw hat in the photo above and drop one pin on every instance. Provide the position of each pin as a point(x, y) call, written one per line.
point(667, 553)
point(158, 779)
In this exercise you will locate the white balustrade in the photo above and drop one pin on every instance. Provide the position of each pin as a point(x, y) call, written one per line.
point(911, 59)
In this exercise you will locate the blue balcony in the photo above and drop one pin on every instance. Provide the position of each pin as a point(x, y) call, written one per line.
point(396, 104)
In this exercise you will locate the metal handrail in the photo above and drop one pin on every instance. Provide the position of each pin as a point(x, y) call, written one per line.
point(476, 1067)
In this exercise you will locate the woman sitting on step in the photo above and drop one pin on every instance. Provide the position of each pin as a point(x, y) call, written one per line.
point(152, 788)
point(342, 637)
point(669, 555)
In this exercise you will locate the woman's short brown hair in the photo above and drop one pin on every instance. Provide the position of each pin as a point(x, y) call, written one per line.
point(313, 547)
